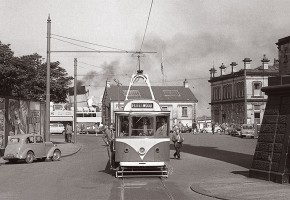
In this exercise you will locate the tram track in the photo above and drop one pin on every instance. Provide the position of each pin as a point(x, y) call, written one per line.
point(144, 188)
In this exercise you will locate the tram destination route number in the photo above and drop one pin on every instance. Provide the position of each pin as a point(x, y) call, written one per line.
point(142, 105)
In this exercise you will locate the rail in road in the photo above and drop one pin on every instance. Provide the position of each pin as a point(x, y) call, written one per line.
point(144, 188)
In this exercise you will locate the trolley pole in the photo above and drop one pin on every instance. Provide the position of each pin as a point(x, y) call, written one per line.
point(75, 100)
point(47, 103)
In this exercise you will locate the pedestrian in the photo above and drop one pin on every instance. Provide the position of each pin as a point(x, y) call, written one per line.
point(68, 133)
point(178, 142)
point(194, 127)
point(109, 134)
point(212, 127)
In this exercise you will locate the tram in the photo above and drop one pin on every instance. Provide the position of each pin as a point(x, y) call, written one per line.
point(141, 144)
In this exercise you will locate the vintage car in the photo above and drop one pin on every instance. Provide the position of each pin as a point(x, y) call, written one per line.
point(29, 147)
point(208, 129)
point(247, 130)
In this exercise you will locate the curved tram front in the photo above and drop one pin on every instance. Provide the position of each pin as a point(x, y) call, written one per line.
point(141, 142)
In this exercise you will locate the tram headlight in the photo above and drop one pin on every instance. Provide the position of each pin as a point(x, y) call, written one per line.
point(157, 150)
point(142, 151)
point(126, 150)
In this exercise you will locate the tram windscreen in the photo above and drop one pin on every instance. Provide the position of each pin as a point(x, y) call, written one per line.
point(124, 128)
point(161, 126)
point(142, 126)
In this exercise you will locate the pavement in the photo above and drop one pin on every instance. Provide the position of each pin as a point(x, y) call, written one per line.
point(238, 187)
point(230, 186)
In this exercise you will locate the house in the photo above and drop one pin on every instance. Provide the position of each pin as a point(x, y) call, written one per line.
point(178, 99)
point(237, 97)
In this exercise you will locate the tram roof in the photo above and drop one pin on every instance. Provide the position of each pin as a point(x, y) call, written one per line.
point(161, 93)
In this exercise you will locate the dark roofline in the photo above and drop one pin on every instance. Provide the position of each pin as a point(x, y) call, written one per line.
point(251, 72)
point(284, 40)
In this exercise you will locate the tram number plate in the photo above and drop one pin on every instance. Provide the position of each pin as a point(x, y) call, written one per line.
point(142, 105)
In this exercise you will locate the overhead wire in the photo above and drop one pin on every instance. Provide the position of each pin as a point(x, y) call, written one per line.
point(90, 43)
point(146, 26)
point(74, 44)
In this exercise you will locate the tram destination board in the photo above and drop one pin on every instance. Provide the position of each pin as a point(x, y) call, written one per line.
point(142, 105)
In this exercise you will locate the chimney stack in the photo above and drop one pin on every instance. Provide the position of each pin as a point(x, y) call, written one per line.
point(108, 84)
point(265, 62)
point(233, 64)
point(247, 63)
point(222, 67)
point(185, 83)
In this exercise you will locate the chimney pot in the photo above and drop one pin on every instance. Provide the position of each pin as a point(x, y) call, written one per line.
point(185, 83)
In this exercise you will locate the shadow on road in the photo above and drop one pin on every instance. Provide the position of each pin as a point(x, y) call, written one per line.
point(240, 159)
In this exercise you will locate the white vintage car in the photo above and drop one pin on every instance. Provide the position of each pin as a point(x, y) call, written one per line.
point(30, 147)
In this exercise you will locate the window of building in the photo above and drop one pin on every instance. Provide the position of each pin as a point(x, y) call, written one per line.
point(257, 117)
point(132, 93)
point(184, 112)
point(257, 88)
point(171, 93)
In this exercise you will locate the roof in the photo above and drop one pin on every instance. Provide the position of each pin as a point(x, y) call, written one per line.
point(273, 70)
point(161, 93)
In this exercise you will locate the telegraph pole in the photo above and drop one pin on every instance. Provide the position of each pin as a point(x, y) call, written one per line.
point(47, 104)
point(75, 100)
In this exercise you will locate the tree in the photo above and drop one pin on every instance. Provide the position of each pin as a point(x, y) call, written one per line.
point(25, 77)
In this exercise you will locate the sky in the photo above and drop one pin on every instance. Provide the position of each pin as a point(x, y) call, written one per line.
point(190, 36)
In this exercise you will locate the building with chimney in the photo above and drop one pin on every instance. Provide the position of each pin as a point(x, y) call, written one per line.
point(178, 99)
point(237, 97)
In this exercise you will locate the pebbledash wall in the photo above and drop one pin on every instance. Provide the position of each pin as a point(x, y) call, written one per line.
point(19, 116)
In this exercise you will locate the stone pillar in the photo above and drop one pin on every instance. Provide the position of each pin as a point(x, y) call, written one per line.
point(272, 155)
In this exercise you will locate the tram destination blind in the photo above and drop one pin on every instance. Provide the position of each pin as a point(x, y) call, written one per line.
point(142, 105)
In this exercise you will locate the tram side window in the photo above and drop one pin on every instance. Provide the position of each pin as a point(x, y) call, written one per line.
point(124, 128)
point(161, 126)
point(142, 126)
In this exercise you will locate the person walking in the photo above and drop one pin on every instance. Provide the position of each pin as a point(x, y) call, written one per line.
point(177, 141)
point(68, 133)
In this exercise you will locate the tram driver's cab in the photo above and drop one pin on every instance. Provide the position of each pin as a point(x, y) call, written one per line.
point(143, 125)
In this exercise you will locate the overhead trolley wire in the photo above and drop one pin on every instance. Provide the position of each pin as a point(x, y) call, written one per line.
point(90, 43)
point(73, 44)
point(146, 26)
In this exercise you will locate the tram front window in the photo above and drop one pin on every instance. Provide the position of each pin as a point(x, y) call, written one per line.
point(161, 126)
point(142, 126)
point(124, 128)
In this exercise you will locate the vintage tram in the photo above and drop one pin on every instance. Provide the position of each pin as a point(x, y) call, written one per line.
point(141, 143)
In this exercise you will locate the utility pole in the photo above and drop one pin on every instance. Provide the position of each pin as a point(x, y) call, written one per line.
point(75, 100)
point(47, 104)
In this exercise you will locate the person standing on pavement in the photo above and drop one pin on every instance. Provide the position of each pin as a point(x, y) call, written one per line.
point(212, 127)
point(68, 132)
point(177, 141)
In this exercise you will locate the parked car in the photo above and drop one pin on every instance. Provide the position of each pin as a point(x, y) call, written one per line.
point(56, 128)
point(208, 129)
point(234, 130)
point(247, 130)
point(30, 147)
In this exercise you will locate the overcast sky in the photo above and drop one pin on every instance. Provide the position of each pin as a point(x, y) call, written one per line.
point(193, 35)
